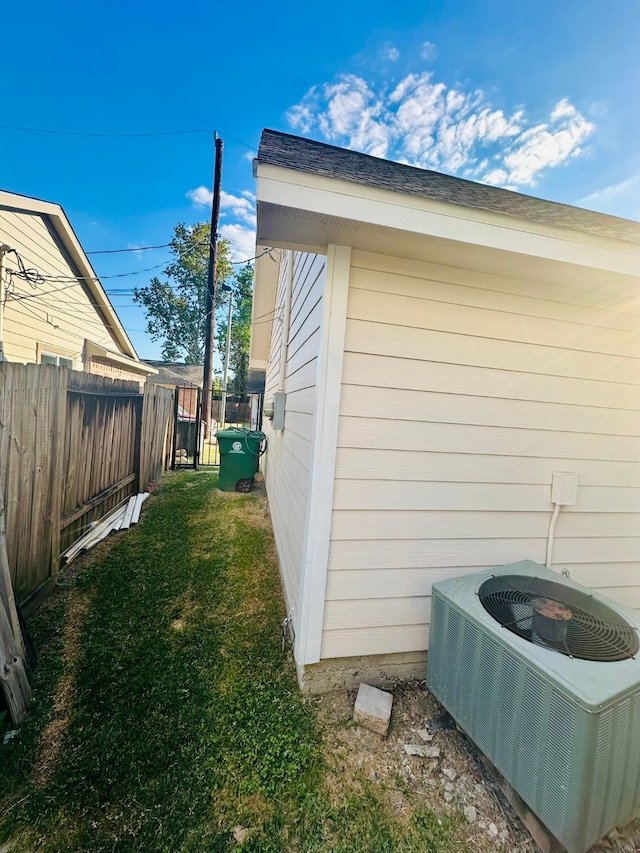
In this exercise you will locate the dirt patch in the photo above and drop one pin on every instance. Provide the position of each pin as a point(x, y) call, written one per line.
point(53, 733)
point(455, 783)
point(256, 511)
point(182, 610)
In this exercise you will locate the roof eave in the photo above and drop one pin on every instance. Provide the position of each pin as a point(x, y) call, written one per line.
point(323, 210)
point(321, 159)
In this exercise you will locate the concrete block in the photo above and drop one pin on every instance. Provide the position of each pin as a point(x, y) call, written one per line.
point(373, 708)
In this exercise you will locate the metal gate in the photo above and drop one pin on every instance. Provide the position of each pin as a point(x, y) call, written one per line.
point(209, 450)
point(186, 433)
point(194, 442)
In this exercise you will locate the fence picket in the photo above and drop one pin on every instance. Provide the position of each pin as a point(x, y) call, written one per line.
point(66, 440)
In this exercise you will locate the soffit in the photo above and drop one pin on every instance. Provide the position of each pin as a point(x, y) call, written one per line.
point(306, 230)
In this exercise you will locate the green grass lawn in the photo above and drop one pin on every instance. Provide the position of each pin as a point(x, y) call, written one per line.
point(166, 714)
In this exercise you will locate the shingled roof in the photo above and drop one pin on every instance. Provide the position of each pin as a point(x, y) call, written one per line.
point(318, 158)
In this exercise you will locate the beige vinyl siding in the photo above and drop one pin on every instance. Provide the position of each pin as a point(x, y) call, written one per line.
point(55, 316)
point(289, 454)
point(462, 392)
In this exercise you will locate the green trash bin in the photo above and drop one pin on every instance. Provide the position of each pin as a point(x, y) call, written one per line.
point(240, 452)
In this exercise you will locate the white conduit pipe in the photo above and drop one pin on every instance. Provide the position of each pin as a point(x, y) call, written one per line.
point(552, 528)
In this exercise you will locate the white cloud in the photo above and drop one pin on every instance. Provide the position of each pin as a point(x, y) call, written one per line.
point(428, 50)
point(563, 109)
point(240, 207)
point(201, 196)
point(423, 122)
point(622, 199)
point(352, 109)
point(390, 53)
point(301, 116)
point(243, 241)
point(496, 177)
point(547, 145)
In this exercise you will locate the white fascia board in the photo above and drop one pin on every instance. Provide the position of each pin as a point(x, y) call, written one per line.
point(258, 364)
point(387, 209)
point(67, 236)
point(317, 531)
point(28, 204)
point(265, 285)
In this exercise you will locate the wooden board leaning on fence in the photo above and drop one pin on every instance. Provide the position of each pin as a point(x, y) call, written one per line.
point(13, 677)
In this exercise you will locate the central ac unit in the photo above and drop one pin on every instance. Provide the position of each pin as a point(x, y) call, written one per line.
point(543, 675)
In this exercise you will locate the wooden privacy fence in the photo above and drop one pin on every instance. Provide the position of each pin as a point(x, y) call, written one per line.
point(72, 446)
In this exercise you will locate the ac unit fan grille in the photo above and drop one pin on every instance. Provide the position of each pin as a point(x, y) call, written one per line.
point(559, 617)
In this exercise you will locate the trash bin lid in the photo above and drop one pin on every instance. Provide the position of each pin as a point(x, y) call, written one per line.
point(239, 432)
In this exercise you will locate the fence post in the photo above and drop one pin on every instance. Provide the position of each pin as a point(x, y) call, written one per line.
point(59, 399)
point(137, 453)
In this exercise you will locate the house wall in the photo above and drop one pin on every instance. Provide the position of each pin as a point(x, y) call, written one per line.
point(288, 458)
point(103, 367)
point(55, 317)
point(462, 392)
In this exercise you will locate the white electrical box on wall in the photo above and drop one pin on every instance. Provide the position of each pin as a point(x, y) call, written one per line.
point(275, 412)
point(564, 488)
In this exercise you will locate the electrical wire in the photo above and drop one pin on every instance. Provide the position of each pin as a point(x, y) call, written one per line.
point(165, 246)
point(19, 306)
point(122, 135)
point(268, 314)
point(103, 135)
point(75, 283)
point(71, 280)
point(32, 275)
point(119, 251)
point(258, 321)
point(23, 274)
point(248, 260)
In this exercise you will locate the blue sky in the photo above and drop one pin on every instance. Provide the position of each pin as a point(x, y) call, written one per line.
point(538, 96)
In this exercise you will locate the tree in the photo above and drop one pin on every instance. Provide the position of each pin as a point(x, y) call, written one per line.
point(176, 311)
point(242, 295)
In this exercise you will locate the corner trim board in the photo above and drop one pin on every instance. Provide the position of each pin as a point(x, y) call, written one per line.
point(323, 457)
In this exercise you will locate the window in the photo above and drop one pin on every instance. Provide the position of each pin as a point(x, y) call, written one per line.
point(60, 360)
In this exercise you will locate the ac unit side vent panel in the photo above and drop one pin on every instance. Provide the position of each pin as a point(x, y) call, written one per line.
point(632, 776)
point(576, 766)
point(501, 704)
point(530, 740)
point(558, 761)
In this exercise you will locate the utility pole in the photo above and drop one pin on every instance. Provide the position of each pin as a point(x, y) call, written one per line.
point(210, 319)
point(226, 361)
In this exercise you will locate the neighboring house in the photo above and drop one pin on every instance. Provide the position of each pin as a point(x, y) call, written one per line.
point(444, 347)
point(53, 309)
point(173, 373)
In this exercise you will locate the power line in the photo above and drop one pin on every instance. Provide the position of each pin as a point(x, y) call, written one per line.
point(120, 135)
point(71, 280)
point(119, 251)
point(168, 245)
point(27, 274)
point(102, 135)
point(19, 305)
